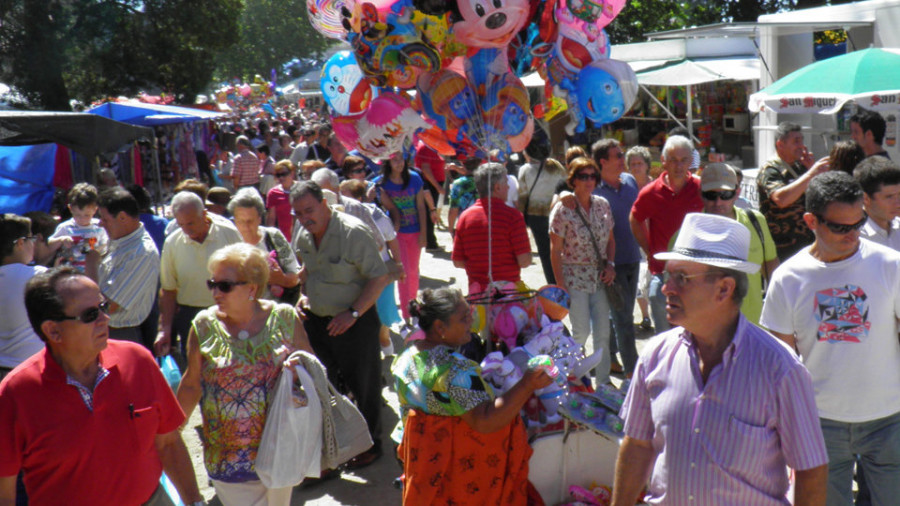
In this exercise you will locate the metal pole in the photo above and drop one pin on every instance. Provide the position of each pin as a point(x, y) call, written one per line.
point(690, 114)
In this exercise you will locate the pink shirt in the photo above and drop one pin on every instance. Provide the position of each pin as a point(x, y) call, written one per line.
point(728, 441)
point(279, 201)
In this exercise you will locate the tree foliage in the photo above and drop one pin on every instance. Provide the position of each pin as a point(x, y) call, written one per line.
point(54, 50)
point(270, 33)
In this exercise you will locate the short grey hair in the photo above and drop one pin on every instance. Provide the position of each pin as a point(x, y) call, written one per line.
point(486, 176)
point(786, 128)
point(325, 178)
point(248, 198)
point(186, 201)
point(639, 152)
point(677, 142)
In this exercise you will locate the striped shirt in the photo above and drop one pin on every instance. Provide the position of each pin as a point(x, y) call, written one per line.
point(728, 441)
point(129, 276)
point(245, 170)
point(509, 238)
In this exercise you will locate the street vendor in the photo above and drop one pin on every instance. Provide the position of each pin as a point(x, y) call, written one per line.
point(443, 398)
point(717, 408)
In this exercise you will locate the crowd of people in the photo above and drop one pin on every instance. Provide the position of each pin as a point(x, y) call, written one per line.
point(302, 245)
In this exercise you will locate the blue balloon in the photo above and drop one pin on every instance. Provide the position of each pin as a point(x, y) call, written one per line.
point(344, 87)
point(606, 90)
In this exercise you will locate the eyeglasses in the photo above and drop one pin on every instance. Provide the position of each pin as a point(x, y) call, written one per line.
point(280, 175)
point(679, 279)
point(31, 238)
point(89, 315)
point(358, 171)
point(721, 195)
point(586, 176)
point(223, 286)
point(842, 228)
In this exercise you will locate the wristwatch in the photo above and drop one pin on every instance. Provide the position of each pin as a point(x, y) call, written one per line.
point(611, 264)
point(354, 313)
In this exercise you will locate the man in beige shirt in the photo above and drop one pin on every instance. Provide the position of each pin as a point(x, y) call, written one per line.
point(183, 271)
point(344, 277)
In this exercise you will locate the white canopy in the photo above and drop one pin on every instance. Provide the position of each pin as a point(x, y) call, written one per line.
point(696, 71)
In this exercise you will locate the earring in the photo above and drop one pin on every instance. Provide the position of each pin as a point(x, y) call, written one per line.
point(250, 297)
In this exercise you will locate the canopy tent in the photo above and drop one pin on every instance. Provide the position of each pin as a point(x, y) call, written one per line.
point(27, 163)
point(139, 113)
point(690, 72)
point(870, 77)
point(87, 134)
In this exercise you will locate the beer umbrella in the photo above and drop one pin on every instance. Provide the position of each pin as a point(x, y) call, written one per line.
point(869, 77)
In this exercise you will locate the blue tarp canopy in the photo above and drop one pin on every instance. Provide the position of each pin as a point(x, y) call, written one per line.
point(139, 113)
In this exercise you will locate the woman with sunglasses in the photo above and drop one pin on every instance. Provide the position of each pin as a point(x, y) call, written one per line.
point(576, 264)
point(354, 167)
point(278, 200)
point(17, 339)
point(235, 353)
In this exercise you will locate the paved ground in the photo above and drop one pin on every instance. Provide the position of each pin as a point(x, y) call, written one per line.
point(374, 484)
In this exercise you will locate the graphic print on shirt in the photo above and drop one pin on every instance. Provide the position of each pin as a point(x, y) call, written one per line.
point(843, 314)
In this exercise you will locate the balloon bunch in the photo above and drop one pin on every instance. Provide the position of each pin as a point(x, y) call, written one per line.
point(575, 61)
point(244, 95)
point(456, 56)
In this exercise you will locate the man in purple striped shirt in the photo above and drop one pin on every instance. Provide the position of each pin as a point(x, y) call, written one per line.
point(718, 409)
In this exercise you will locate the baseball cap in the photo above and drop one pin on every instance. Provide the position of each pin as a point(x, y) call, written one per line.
point(719, 176)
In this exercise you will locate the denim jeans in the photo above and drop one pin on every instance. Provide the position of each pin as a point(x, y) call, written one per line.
point(623, 321)
point(878, 445)
point(658, 304)
point(589, 314)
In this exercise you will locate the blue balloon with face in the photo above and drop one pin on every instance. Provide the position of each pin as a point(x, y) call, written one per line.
point(344, 87)
point(599, 96)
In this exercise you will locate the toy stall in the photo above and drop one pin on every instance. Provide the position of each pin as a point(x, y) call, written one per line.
point(574, 429)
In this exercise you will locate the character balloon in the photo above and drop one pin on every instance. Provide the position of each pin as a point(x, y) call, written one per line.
point(343, 86)
point(384, 128)
point(490, 23)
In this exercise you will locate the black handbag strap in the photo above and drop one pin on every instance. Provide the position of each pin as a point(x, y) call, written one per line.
point(600, 258)
point(528, 198)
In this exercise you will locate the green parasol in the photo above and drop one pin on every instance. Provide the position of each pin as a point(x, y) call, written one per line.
point(870, 77)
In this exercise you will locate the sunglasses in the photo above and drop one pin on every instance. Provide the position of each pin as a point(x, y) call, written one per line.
point(280, 175)
point(721, 195)
point(357, 171)
point(679, 279)
point(89, 315)
point(586, 176)
point(618, 155)
point(842, 228)
point(223, 286)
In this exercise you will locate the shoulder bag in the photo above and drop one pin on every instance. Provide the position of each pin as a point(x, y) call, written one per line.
point(289, 295)
point(614, 293)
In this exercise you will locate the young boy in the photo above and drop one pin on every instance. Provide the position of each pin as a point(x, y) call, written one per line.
point(82, 233)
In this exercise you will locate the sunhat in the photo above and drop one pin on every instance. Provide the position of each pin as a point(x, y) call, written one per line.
point(712, 240)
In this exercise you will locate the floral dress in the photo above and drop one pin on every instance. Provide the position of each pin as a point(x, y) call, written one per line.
point(579, 258)
point(238, 379)
point(445, 461)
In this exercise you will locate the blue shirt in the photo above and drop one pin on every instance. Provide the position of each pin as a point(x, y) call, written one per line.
point(156, 227)
point(627, 249)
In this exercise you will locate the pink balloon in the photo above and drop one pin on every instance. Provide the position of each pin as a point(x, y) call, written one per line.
point(490, 24)
point(384, 128)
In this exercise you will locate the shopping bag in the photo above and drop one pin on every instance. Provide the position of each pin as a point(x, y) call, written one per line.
point(348, 434)
point(291, 444)
point(170, 371)
point(170, 490)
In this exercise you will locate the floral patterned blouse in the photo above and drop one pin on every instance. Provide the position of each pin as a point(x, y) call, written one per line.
point(579, 259)
point(238, 379)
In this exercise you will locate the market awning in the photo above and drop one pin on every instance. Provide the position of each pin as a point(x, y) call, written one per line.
point(698, 71)
point(87, 134)
point(139, 113)
point(751, 29)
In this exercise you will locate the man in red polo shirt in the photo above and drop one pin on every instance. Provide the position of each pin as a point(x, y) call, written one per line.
point(510, 249)
point(658, 212)
point(88, 420)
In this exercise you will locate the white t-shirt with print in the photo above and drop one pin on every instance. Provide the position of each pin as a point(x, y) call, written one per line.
point(92, 236)
point(844, 315)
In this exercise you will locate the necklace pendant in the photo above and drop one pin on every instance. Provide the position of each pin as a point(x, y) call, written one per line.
point(243, 335)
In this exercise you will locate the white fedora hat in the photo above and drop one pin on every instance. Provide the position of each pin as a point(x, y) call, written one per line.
point(712, 240)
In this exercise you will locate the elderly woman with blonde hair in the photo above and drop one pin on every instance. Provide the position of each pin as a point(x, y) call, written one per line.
point(235, 353)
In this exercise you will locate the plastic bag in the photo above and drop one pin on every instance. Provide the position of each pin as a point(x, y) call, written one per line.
point(291, 444)
point(170, 371)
